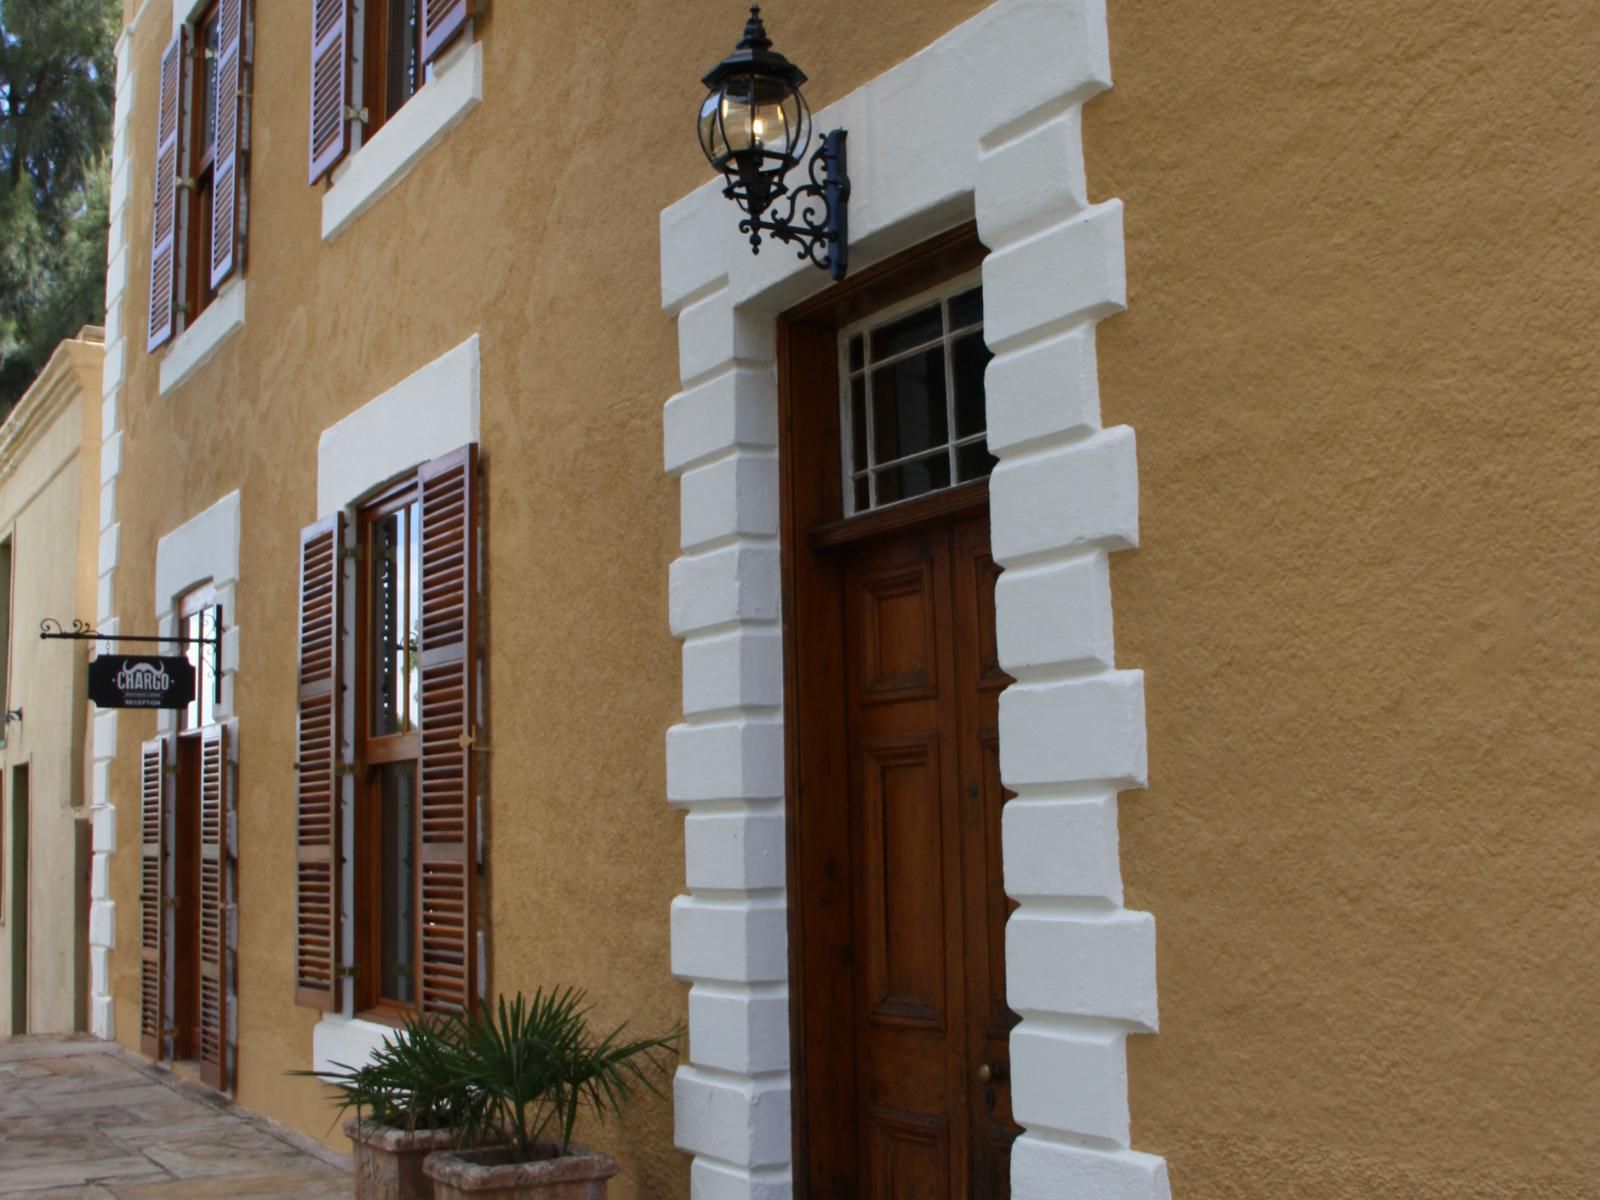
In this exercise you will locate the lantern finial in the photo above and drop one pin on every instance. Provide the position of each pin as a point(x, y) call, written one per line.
point(755, 33)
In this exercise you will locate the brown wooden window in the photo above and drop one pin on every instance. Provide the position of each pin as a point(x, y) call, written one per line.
point(202, 138)
point(415, 670)
point(198, 216)
point(383, 57)
point(388, 833)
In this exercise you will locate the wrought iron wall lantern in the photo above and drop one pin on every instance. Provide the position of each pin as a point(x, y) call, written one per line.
point(755, 128)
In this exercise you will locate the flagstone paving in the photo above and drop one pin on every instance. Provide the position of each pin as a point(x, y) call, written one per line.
point(81, 1119)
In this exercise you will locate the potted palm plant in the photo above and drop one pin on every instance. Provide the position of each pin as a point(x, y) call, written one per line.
point(408, 1103)
point(532, 1067)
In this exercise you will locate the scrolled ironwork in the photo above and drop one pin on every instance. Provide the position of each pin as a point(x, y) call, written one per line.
point(815, 215)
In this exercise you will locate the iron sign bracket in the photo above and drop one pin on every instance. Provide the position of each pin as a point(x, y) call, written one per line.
point(50, 629)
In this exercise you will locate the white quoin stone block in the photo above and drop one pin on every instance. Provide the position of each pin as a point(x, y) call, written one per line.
point(1047, 1170)
point(110, 547)
point(1071, 271)
point(108, 505)
point(110, 410)
point(1031, 182)
point(116, 359)
point(105, 597)
point(230, 644)
point(1076, 731)
point(100, 877)
point(101, 1022)
point(1061, 849)
point(735, 583)
point(113, 325)
point(116, 284)
point(736, 408)
point(1077, 495)
point(743, 669)
point(735, 851)
point(103, 924)
point(742, 1122)
point(1082, 965)
point(713, 1180)
point(1043, 390)
point(110, 458)
point(733, 495)
point(1055, 613)
point(730, 760)
point(742, 940)
point(104, 828)
point(105, 735)
point(745, 1030)
point(714, 332)
point(99, 970)
point(1072, 1081)
point(100, 784)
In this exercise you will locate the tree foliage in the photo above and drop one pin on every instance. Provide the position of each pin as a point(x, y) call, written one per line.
point(57, 85)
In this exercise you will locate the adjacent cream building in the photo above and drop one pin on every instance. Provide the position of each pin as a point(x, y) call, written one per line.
point(49, 501)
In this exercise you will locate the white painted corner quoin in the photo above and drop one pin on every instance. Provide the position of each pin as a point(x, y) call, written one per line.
point(985, 122)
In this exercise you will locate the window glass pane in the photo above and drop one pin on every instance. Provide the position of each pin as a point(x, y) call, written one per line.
point(413, 616)
point(855, 353)
point(969, 356)
point(908, 411)
point(974, 461)
point(966, 309)
point(915, 329)
point(397, 818)
point(208, 89)
point(914, 478)
point(202, 709)
point(387, 617)
point(858, 423)
point(863, 498)
point(404, 79)
point(189, 627)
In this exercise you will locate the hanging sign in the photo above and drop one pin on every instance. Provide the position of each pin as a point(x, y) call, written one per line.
point(116, 681)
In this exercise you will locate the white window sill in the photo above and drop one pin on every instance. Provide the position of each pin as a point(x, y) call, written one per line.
point(346, 1042)
point(453, 90)
point(192, 348)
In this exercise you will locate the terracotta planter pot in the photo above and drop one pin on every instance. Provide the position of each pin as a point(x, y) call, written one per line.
point(388, 1162)
point(580, 1174)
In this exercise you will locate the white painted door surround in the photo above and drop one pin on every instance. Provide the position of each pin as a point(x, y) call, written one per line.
point(985, 122)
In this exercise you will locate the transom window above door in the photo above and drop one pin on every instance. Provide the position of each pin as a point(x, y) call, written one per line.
point(914, 418)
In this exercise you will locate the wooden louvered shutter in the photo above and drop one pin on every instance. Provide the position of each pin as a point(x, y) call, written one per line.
point(441, 21)
point(316, 955)
point(449, 679)
point(153, 763)
point(215, 886)
point(233, 114)
point(164, 299)
point(330, 84)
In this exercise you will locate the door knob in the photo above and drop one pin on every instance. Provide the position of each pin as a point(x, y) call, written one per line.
point(985, 1073)
point(992, 1073)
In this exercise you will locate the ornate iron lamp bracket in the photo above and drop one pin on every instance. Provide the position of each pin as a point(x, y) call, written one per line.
point(818, 214)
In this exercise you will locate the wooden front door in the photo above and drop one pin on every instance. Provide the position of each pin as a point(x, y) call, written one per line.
point(928, 1010)
point(897, 909)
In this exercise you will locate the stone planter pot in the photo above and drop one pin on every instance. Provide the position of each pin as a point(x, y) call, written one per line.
point(388, 1162)
point(580, 1174)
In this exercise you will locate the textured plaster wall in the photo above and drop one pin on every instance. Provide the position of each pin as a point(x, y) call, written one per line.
point(1360, 356)
point(535, 224)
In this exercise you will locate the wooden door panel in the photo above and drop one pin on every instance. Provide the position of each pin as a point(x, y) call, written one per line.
point(898, 654)
point(908, 1156)
point(902, 834)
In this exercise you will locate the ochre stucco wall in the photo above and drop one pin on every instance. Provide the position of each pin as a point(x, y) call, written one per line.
point(1360, 356)
point(535, 224)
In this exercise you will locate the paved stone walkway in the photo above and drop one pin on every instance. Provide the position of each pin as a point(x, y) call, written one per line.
point(84, 1120)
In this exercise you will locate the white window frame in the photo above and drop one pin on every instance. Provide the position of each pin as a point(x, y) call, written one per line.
point(942, 294)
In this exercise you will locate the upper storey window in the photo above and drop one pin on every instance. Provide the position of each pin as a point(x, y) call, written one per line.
point(912, 393)
point(364, 71)
point(202, 142)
